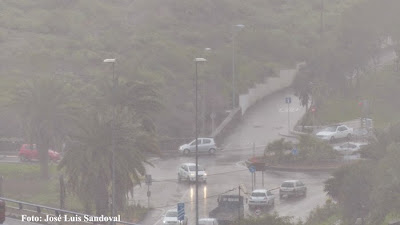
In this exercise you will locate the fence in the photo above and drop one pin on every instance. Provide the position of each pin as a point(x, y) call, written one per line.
point(18, 208)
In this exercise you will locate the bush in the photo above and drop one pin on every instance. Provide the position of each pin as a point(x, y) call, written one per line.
point(310, 150)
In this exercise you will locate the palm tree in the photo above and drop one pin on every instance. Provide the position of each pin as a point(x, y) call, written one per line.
point(45, 108)
point(87, 162)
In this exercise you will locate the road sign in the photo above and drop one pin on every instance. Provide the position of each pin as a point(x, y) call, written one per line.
point(252, 169)
point(295, 152)
point(181, 211)
point(288, 100)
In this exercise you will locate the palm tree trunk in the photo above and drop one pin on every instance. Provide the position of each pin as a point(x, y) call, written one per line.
point(44, 160)
point(101, 196)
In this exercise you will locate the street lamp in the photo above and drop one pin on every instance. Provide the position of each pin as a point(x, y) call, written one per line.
point(114, 85)
point(197, 60)
point(235, 27)
point(207, 51)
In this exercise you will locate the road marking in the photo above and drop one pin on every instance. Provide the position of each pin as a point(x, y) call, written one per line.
point(291, 109)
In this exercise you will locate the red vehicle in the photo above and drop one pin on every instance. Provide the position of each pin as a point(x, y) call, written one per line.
point(29, 152)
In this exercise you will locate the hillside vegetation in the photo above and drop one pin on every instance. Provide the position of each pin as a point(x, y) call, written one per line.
point(156, 41)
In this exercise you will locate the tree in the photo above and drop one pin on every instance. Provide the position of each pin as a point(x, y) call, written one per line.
point(45, 107)
point(270, 219)
point(87, 163)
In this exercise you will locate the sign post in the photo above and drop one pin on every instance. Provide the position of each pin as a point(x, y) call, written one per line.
point(288, 100)
point(181, 212)
point(148, 183)
point(252, 170)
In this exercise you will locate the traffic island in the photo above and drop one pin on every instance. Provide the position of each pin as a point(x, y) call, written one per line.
point(262, 163)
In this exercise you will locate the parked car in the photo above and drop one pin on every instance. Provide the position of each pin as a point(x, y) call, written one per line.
point(205, 145)
point(28, 152)
point(292, 188)
point(335, 132)
point(349, 147)
point(208, 221)
point(171, 218)
point(187, 171)
point(261, 198)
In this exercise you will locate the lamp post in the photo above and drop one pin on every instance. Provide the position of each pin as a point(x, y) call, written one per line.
point(197, 60)
point(235, 27)
point(114, 85)
point(322, 18)
point(203, 102)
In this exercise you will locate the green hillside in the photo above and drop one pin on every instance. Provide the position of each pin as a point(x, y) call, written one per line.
point(156, 41)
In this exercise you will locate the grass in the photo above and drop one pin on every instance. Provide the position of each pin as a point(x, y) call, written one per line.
point(22, 182)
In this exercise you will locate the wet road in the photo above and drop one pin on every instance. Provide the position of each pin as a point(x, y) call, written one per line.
point(225, 170)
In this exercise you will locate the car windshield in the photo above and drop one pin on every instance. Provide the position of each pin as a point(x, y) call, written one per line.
point(287, 184)
point(330, 129)
point(258, 194)
point(172, 214)
point(193, 168)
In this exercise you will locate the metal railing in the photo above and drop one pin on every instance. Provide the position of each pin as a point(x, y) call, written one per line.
point(39, 209)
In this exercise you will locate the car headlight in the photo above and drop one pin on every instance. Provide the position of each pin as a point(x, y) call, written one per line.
point(205, 174)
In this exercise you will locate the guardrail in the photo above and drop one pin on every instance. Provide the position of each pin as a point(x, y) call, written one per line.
point(38, 212)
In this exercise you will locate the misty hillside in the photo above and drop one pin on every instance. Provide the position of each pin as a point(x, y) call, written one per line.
point(157, 40)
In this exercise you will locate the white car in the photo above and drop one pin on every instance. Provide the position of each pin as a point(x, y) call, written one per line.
point(187, 171)
point(208, 221)
point(171, 217)
point(349, 147)
point(262, 198)
point(292, 188)
point(335, 132)
point(204, 145)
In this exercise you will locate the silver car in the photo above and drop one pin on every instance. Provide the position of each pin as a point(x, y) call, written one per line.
point(292, 188)
point(205, 145)
point(187, 171)
point(171, 218)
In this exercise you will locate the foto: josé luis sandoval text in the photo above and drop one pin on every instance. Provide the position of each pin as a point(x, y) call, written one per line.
point(87, 218)
point(68, 218)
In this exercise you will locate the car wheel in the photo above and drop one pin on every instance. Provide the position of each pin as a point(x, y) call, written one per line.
point(212, 151)
point(22, 158)
point(186, 152)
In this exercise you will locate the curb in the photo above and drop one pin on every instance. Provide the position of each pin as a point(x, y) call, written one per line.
point(301, 169)
point(288, 135)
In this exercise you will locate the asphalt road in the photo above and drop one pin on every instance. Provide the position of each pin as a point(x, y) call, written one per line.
point(225, 170)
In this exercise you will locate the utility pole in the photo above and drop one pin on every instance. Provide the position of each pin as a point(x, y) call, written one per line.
point(238, 26)
point(1, 186)
point(239, 207)
point(322, 18)
point(197, 60)
point(114, 86)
